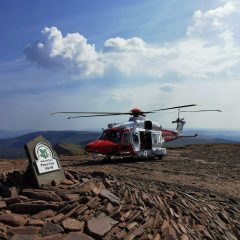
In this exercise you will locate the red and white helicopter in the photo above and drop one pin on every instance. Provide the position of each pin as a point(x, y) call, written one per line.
point(138, 137)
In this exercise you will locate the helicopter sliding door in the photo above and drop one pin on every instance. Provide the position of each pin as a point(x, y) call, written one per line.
point(156, 139)
point(146, 140)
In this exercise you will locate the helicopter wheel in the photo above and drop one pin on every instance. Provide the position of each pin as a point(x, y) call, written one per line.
point(160, 157)
point(107, 159)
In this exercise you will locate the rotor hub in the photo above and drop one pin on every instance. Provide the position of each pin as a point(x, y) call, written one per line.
point(137, 112)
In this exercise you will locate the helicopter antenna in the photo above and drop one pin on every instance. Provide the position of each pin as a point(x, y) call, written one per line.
point(179, 110)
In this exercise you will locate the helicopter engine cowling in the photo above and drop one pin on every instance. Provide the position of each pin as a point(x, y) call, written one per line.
point(148, 125)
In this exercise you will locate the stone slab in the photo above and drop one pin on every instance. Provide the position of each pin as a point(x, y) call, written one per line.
point(44, 165)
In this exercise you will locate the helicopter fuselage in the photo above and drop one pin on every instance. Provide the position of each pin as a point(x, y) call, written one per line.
point(138, 138)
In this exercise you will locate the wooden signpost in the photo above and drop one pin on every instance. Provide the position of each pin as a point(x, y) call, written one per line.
point(44, 164)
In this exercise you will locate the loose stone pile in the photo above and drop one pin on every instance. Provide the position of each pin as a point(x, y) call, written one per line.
point(101, 206)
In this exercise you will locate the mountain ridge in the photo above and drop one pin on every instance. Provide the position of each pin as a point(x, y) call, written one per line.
point(14, 147)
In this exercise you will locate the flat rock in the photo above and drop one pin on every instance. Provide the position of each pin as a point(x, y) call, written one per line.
point(32, 207)
point(71, 224)
point(94, 185)
point(8, 192)
point(47, 177)
point(184, 237)
point(3, 231)
point(110, 196)
point(44, 214)
point(24, 237)
point(41, 195)
point(67, 182)
point(85, 179)
point(50, 229)
point(57, 218)
point(25, 230)
point(23, 198)
point(57, 236)
point(3, 205)
point(100, 225)
point(75, 181)
point(71, 197)
point(68, 175)
point(77, 236)
point(10, 201)
point(35, 222)
point(13, 219)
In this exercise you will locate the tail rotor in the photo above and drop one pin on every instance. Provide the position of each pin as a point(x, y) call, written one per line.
point(180, 121)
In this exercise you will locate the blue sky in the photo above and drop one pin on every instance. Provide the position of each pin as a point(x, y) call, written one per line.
point(116, 55)
point(155, 21)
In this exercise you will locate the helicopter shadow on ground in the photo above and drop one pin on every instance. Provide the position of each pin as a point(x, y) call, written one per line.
point(117, 161)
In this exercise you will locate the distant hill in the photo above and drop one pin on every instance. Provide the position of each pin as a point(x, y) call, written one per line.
point(4, 134)
point(206, 136)
point(233, 135)
point(13, 147)
point(55, 137)
point(198, 140)
point(12, 153)
point(73, 142)
point(67, 149)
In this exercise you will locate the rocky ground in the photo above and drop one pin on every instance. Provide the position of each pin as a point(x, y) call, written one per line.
point(209, 168)
point(192, 194)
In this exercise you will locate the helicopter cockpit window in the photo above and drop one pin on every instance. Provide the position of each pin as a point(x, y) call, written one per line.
point(113, 136)
point(135, 138)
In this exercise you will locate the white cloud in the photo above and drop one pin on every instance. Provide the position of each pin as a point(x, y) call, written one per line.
point(133, 56)
point(126, 45)
point(71, 53)
point(222, 11)
point(210, 49)
point(211, 24)
point(209, 95)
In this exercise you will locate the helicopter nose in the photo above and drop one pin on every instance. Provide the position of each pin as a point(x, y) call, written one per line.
point(101, 146)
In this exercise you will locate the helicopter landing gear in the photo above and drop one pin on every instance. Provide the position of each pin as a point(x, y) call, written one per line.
point(107, 159)
point(160, 157)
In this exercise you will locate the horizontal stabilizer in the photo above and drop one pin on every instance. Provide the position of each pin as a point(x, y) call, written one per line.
point(195, 135)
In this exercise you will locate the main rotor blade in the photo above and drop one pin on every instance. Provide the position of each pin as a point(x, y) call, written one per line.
point(99, 115)
point(105, 113)
point(183, 106)
point(204, 111)
point(102, 114)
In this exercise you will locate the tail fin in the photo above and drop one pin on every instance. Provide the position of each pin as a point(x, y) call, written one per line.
point(180, 121)
point(180, 124)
